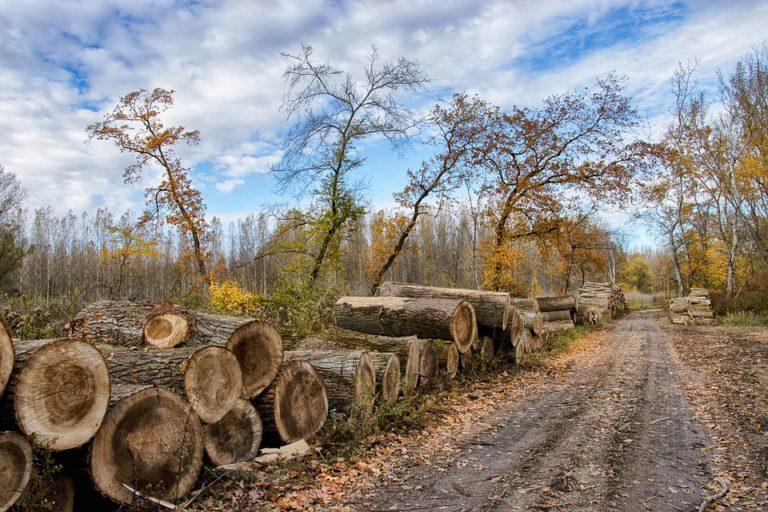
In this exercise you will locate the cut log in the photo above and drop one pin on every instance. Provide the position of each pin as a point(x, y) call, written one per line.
point(428, 363)
point(557, 326)
point(523, 303)
point(486, 349)
point(491, 308)
point(521, 347)
point(55, 493)
point(444, 319)
point(234, 438)
point(295, 405)
point(556, 316)
point(412, 366)
point(151, 441)
point(533, 322)
point(257, 345)
point(15, 468)
point(6, 356)
point(166, 330)
point(209, 377)
point(349, 376)
point(60, 391)
point(448, 357)
point(545, 304)
point(387, 367)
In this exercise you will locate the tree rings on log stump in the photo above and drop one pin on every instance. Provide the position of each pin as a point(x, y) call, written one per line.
point(412, 366)
point(365, 383)
point(295, 406)
point(213, 382)
point(449, 359)
point(259, 350)
point(151, 440)
point(166, 330)
point(62, 393)
point(387, 375)
point(234, 438)
point(6, 356)
point(428, 363)
point(15, 468)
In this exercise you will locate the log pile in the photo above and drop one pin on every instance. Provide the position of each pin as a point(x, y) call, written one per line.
point(556, 313)
point(696, 308)
point(599, 302)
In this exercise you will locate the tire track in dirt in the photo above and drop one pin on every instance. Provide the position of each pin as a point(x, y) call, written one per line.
point(613, 434)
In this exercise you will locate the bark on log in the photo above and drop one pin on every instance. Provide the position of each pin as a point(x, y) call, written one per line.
point(448, 357)
point(387, 366)
point(556, 316)
point(60, 392)
point(6, 356)
point(15, 468)
point(555, 303)
point(533, 322)
point(257, 345)
point(209, 378)
point(295, 405)
point(234, 438)
point(429, 364)
point(491, 308)
point(557, 326)
point(151, 440)
point(445, 319)
point(523, 303)
point(349, 376)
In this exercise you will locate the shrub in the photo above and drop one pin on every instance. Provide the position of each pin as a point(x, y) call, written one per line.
point(301, 306)
point(228, 298)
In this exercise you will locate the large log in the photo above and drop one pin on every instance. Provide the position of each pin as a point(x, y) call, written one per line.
point(60, 392)
point(234, 438)
point(556, 316)
point(491, 308)
point(349, 376)
point(387, 366)
point(445, 319)
point(257, 345)
point(15, 468)
point(429, 364)
point(295, 405)
point(557, 326)
point(544, 304)
point(151, 440)
point(449, 359)
point(533, 321)
point(6, 356)
point(208, 377)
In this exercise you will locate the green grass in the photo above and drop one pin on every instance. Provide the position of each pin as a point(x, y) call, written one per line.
point(743, 319)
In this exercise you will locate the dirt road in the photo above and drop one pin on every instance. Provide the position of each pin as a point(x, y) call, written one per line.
point(613, 433)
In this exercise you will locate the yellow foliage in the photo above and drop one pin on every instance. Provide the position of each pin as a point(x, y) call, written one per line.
point(501, 268)
point(229, 298)
point(385, 231)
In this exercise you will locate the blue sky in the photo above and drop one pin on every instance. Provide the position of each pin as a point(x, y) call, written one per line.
point(65, 62)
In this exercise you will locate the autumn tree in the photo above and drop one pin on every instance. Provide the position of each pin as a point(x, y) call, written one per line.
point(127, 241)
point(12, 250)
point(333, 113)
point(534, 158)
point(458, 126)
point(135, 126)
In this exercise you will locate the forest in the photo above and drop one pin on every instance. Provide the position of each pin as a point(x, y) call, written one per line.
point(512, 199)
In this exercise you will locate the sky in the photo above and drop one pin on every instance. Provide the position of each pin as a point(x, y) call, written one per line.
point(64, 63)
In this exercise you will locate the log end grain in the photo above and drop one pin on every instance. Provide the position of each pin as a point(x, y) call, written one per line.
point(213, 382)
point(365, 383)
point(15, 468)
point(452, 361)
point(464, 326)
point(300, 402)
point(234, 438)
point(428, 363)
point(62, 394)
point(151, 440)
point(166, 330)
point(389, 385)
point(259, 350)
point(6, 355)
point(412, 364)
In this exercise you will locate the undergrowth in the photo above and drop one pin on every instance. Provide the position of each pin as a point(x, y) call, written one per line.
point(743, 319)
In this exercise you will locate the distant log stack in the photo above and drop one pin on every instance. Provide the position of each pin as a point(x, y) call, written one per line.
point(257, 345)
point(599, 302)
point(445, 319)
point(556, 313)
point(696, 308)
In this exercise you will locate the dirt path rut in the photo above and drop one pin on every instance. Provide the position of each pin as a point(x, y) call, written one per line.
point(615, 433)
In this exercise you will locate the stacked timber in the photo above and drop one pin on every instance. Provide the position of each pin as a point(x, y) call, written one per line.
point(696, 308)
point(599, 302)
point(556, 313)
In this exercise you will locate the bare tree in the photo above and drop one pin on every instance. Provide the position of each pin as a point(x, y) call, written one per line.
point(333, 113)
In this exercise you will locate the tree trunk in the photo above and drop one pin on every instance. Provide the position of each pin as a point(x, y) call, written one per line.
point(445, 319)
point(449, 359)
point(151, 440)
point(60, 392)
point(295, 405)
point(556, 316)
point(387, 366)
point(555, 303)
point(491, 308)
point(349, 376)
point(533, 321)
point(234, 438)
point(429, 364)
point(15, 468)
point(257, 345)
point(209, 377)
point(6, 356)
point(557, 326)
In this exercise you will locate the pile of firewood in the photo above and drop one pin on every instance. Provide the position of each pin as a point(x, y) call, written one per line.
point(696, 308)
point(599, 302)
point(556, 313)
